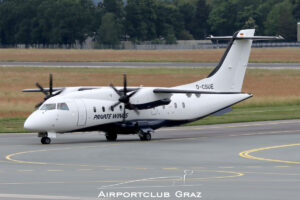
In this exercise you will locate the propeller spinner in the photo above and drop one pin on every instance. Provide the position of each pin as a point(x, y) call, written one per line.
point(124, 97)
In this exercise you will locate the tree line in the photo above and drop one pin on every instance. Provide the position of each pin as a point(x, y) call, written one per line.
point(157, 21)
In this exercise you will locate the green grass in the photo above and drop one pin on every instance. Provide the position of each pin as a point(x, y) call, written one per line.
point(257, 110)
point(250, 114)
point(12, 125)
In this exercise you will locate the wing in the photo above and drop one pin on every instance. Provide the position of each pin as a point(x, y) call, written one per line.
point(181, 91)
point(38, 90)
point(83, 88)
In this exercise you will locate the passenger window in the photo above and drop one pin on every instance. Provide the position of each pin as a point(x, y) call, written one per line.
point(95, 109)
point(50, 106)
point(62, 106)
point(175, 105)
point(120, 107)
point(183, 105)
point(103, 109)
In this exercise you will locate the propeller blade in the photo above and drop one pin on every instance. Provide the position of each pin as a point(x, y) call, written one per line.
point(41, 88)
point(50, 84)
point(124, 98)
point(114, 105)
point(48, 94)
point(133, 93)
point(125, 83)
point(115, 89)
point(132, 107)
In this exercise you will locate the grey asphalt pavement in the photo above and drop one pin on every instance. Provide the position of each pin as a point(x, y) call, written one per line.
point(258, 160)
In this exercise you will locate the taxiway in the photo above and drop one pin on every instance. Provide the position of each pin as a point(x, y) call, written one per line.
point(258, 160)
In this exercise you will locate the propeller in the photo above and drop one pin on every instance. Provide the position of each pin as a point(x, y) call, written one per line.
point(48, 94)
point(124, 98)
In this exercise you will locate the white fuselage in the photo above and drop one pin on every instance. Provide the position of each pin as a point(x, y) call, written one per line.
point(91, 108)
point(72, 109)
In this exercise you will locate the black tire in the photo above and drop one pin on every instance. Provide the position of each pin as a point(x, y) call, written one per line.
point(111, 137)
point(45, 140)
point(141, 137)
point(145, 136)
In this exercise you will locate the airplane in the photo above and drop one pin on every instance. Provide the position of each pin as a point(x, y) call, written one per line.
point(142, 110)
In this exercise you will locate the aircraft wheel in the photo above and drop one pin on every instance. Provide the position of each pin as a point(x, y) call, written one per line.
point(111, 137)
point(45, 140)
point(148, 136)
point(145, 137)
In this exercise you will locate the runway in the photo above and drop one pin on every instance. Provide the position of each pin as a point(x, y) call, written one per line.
point(142, 64)
point(257, 160)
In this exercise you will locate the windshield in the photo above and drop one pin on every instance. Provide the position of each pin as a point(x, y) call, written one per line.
point(50, 106)
point(62, 106)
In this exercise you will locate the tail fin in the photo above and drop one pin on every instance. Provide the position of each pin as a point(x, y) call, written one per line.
point(229, 74)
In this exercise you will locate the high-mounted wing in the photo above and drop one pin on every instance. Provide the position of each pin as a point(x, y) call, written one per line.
point(181, 91)
point(45, 89)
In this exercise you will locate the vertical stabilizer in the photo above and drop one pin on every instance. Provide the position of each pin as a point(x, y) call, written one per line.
point(228, 76)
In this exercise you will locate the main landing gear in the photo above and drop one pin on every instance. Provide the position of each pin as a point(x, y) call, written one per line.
point(45, 140)
point(145, 136)
point(111, 137)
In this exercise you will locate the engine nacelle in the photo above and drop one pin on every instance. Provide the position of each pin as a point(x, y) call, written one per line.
point(145, 98)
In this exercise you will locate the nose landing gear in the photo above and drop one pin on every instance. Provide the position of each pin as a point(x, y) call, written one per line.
point(46, 137)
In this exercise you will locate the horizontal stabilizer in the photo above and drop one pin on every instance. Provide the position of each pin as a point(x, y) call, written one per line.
point(242, 37)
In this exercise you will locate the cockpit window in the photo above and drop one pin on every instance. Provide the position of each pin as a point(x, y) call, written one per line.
point(50, 106)
point(62, 106)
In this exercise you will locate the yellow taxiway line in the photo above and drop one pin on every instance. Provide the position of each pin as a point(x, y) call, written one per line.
point(246, 154)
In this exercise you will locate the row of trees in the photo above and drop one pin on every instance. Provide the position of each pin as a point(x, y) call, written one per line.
point(110, 21)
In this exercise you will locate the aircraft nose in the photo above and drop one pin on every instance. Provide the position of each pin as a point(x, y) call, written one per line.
point(39, 122)
point(31, 122)
point(28, 123)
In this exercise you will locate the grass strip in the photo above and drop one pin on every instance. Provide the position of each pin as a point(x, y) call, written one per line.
point(12, 125)
point(266, 55)
point(251, 114)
